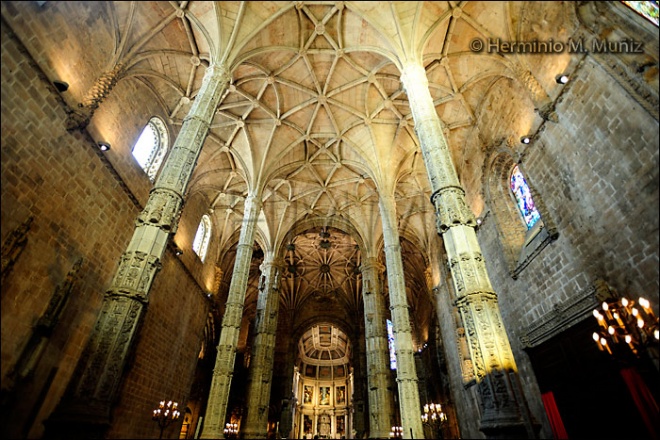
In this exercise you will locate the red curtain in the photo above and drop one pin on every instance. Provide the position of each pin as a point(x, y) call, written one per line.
point(558, 430)
point(646, 404)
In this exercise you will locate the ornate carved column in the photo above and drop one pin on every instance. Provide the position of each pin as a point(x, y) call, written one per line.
point(231, 323)
point(87, 403)
point(380, 398)
point(491, 353)
point(359, 411)
point(406, 376)
point(263, 351)
point(285, 375)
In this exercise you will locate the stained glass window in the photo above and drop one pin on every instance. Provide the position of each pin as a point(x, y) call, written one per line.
point(648, 10)
point(202, 237)
point(390, 344)
point(150, 149)
point(523, 197)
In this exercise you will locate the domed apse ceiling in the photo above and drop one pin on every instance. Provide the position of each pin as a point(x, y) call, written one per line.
point(324, 344)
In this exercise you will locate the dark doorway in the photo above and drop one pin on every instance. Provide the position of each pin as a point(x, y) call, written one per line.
point(591, 396)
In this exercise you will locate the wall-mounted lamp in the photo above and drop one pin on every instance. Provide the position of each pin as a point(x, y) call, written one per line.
point(104, 146)
point(480, 220)
point(61, 86)
point(525, 139)
point(561, 79)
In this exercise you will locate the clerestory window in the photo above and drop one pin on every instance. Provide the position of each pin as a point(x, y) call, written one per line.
point(523, 197)
point(151, 147)
point(202, 237)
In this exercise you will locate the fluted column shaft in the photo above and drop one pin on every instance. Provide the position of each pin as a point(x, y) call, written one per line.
point(231, 324)
point(378, 373)
point(263, 351)
point(477, 302)
point(406, 376)
point(99, 371)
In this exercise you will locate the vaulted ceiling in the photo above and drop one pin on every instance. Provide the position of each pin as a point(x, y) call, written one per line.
point(315, 118)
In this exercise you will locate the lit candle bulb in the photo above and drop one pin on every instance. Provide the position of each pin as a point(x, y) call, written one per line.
point(600, 318)
point(624, 302)
point(603, 342)
point(646, 305)
point(618, 319)
point(628, 339)
point(656, 333)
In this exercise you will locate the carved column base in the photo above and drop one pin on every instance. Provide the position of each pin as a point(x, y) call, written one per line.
point(286, 418)
point(252, 434)
point(495, 429)
point(502, 417)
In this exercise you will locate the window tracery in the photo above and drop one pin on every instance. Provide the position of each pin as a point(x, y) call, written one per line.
point(151, 147)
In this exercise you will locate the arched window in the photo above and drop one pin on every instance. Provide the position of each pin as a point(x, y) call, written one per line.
point(202, 238)
point(150, 149)
point(523, 197)
point(648, 10)
point(523, 232)
point(390, 344)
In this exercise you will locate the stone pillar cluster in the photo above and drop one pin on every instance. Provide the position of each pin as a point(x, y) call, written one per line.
point(263, 352)
point(92, 390)
point(380, 398)
point(406, 376)
point(490, 350)
point(231, 324)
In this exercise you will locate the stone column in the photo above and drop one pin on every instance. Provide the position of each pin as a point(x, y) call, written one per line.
point(360, 382)
point(285, 375)
point(406, 376)
point(231, 324)
point(378, 376)
point(263, 351)
point(477, 302)
point(87, 403)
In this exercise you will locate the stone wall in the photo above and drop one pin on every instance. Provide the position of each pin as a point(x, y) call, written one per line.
point(80, 209)
point(596, 171)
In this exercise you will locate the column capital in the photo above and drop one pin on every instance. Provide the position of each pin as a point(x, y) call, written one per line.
point(372, 263)
point(268, 263)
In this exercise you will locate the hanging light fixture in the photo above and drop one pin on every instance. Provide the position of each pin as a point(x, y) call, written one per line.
point(434, 418)
point(165, 414)
point(622, 322)
point(396, 432)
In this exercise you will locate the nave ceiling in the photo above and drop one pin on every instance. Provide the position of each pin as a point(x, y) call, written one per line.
point(315, 117)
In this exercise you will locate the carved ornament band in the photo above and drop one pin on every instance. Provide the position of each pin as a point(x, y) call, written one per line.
point(162, 210)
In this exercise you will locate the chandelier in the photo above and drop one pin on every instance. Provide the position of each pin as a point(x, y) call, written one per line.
point(231, 430)
point(396, 432)
point(165, 414)
point(434, 418)
point(624, 322)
